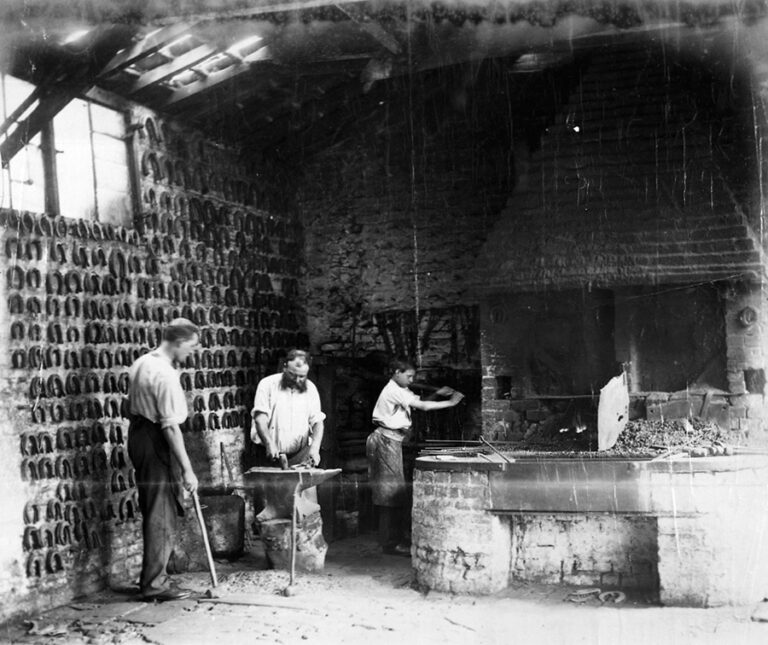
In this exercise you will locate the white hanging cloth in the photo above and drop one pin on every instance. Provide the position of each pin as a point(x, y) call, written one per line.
point(612, 411)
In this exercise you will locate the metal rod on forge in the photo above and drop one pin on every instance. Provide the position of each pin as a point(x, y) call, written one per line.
point(498, 452)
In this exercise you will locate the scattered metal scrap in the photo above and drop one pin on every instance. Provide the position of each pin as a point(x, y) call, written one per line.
point(595, 593)
point(616, 597)
point(583, 595)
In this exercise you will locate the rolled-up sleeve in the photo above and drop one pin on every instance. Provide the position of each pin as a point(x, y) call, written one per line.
point(406, 397)
point(261, 402)
point(315, 412)
point(170, 400)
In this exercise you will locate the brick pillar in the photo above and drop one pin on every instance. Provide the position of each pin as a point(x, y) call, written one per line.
point(746, 328)
point(712, 534)
point(457, 545)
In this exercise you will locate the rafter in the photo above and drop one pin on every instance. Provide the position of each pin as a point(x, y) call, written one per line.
point(263, 10)
point(49, 106)
point(145, 47)
point(23, 107)
point(170, 69)
point(71, 77)
point(371, 27)
point(215, 79)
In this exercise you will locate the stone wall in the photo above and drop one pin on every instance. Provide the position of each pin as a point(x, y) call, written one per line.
point(81, 300)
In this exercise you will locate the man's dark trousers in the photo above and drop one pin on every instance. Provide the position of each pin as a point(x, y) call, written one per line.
point(158, 499)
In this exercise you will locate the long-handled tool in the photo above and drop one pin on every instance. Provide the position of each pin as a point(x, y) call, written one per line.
point(290, 590)
point(204, 531)
point(498, 452)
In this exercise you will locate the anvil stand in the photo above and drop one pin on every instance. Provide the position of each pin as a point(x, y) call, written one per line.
point(286, 486)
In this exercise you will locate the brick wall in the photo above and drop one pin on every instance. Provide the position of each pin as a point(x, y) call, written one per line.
point(712, 539)
point(646, 176)
point(644, 187)
point(456, 545)
point(212, 242)
point(710, 360)
point(610, 550)
point(701, 540)
point(407, 192)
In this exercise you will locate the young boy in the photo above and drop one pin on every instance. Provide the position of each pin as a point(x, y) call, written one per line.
point(384, 450)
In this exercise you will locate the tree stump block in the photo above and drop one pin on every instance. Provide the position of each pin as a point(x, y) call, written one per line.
point(310, 544)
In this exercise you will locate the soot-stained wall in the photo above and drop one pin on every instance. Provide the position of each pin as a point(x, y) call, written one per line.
point(644, 187)
point(410, 191)
point(646, 176)
point(215, 241)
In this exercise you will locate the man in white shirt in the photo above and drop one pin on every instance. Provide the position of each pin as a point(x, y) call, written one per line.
point(384, 450)
point(288, 421)
point(158, 408)
point(286, 413)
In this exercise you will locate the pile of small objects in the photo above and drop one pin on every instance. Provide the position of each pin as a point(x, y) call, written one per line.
point(640, 438)
point(695, 437)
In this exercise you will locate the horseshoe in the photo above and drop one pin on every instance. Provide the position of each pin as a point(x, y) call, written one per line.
point(616, 597)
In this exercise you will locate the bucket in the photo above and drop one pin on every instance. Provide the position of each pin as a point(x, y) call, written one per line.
point(348, 523)
point(224, 517)
point(225, 520)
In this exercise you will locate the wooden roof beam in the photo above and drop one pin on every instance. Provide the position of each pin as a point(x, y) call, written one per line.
point(19, 111)
point(371, 27)
point(145, 47)
point(72, 77)
point(214, 79)
point(172, 68)
point(49, 106)
point(263, 10)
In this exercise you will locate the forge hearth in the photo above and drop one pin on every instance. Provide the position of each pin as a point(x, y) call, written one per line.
point(693, 529)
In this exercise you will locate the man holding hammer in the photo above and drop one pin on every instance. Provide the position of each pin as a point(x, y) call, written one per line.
point(384, 450)
point(287, 419)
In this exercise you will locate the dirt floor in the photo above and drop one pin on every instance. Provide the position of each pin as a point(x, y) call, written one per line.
point(365, 597)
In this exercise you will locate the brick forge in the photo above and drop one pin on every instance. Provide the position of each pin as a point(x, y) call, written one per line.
point(698, 353)
point(620, 245)
point(625, 243)
point(696, 533)
point(693, 341)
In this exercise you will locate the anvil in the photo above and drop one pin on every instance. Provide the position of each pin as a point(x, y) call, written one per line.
point(280, 486)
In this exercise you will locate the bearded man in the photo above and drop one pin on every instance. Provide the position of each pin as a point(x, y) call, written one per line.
point(286, 413)
point(288, 425)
